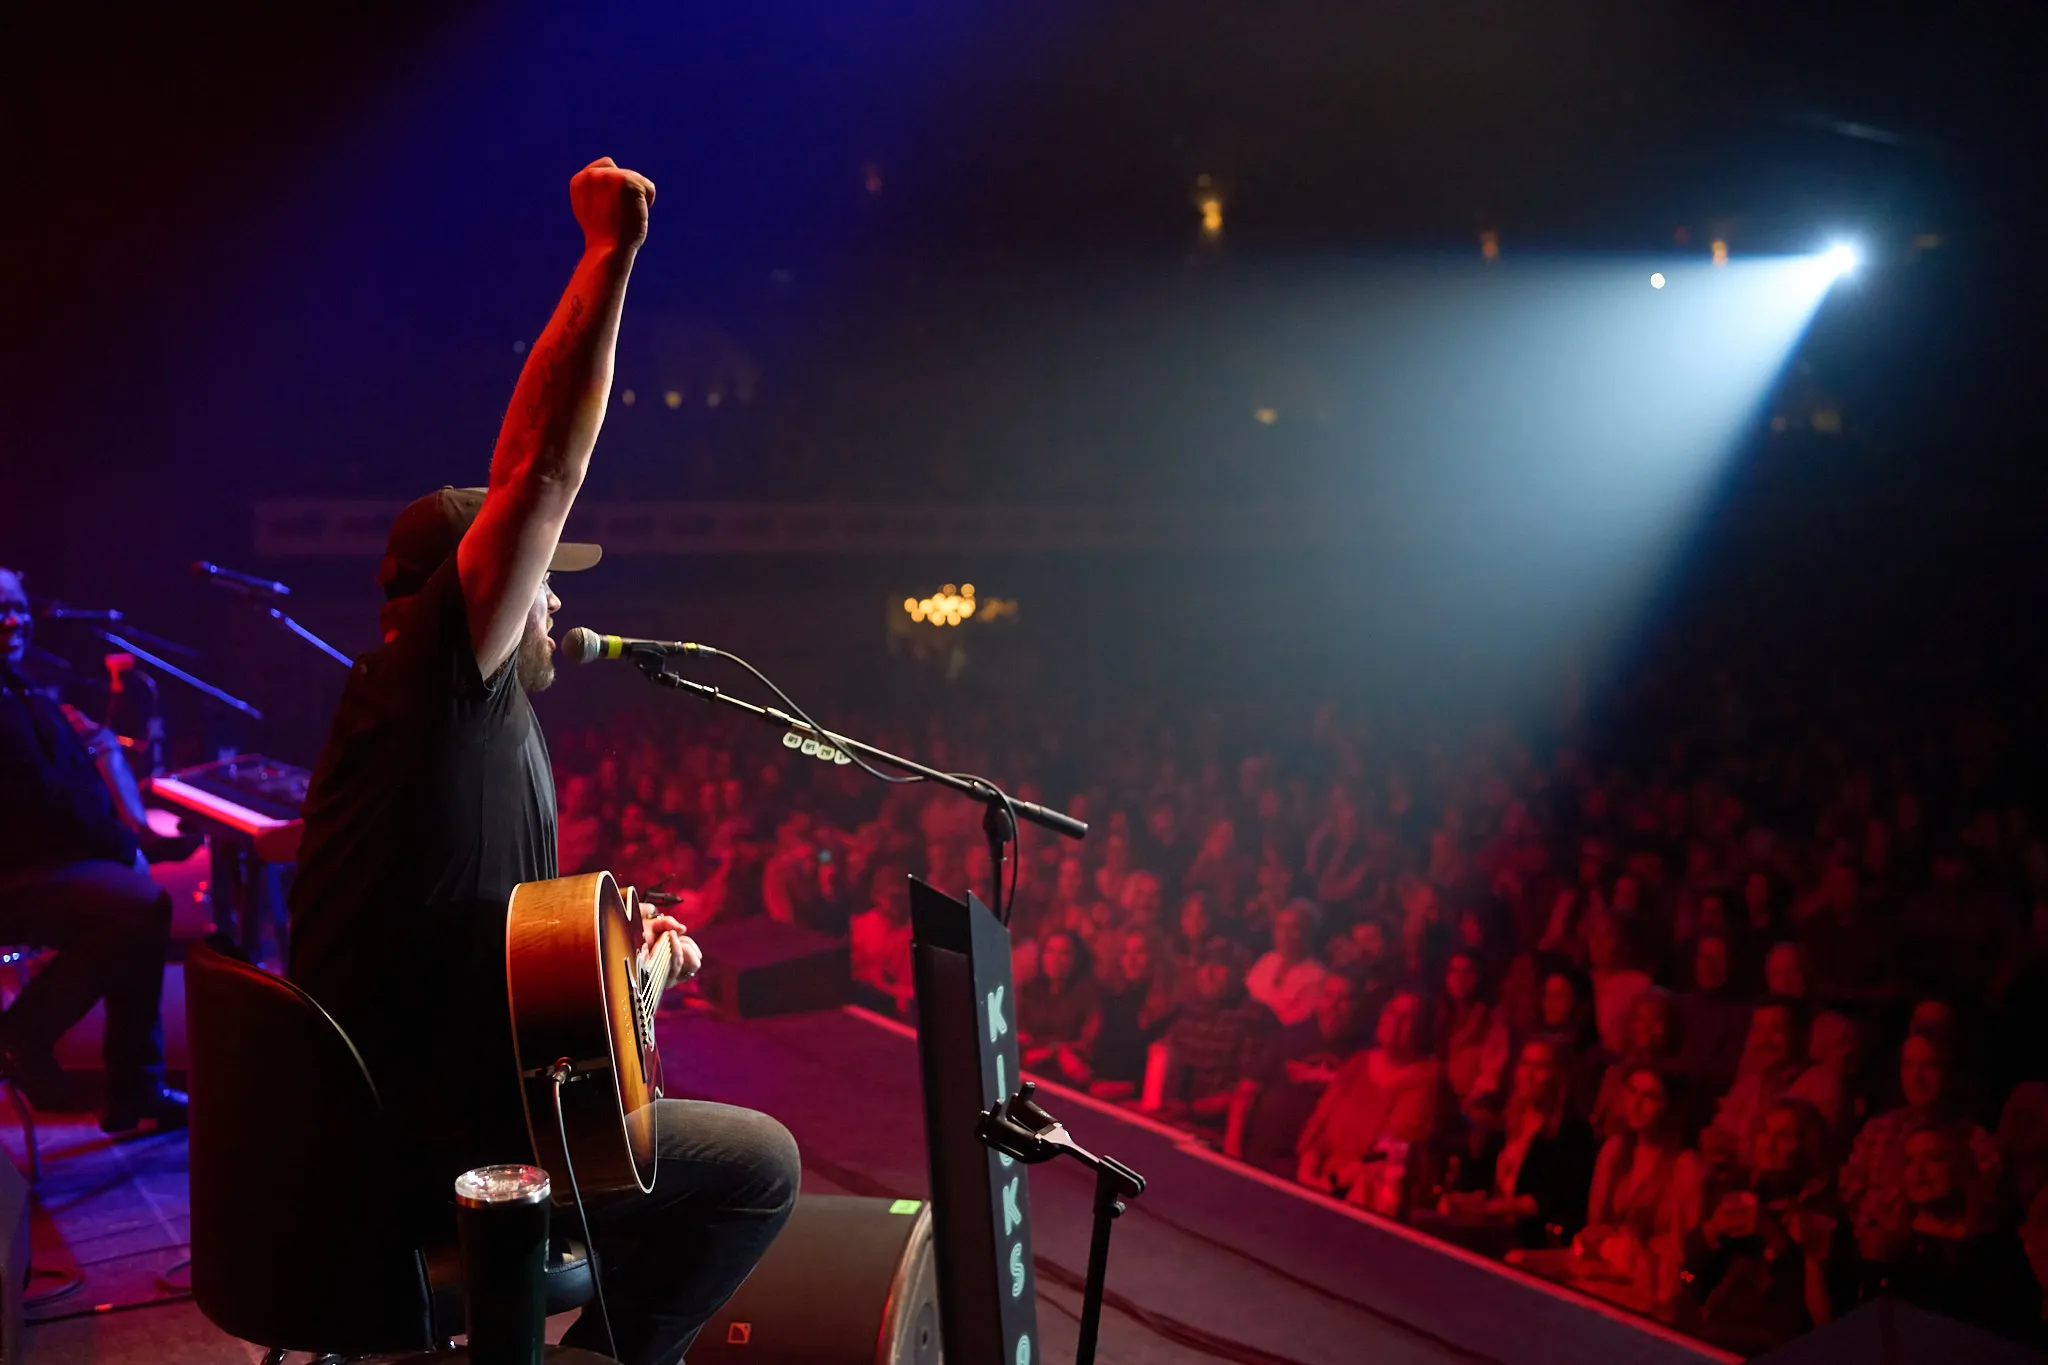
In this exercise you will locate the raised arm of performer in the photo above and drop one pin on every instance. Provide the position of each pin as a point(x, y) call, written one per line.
point(545, 443)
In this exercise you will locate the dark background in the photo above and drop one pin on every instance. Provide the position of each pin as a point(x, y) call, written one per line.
point(949, 252)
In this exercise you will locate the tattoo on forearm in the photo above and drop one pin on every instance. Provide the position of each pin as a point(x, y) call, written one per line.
point(540, 403)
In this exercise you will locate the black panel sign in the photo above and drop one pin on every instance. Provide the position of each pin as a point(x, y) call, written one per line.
point(981, 1207)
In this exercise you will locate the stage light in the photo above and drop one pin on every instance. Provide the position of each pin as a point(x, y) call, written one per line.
point(1656, 279)
point(1841, 259)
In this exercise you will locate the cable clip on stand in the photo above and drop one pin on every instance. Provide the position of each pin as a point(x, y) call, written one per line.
point(1019, 1127)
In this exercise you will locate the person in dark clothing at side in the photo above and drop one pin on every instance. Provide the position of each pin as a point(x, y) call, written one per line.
point(1056, 1014)
point(1766, 1261)
point(1132, 1012)
point(433, 799)
point(1533, 1174)
point(72, 878)
point(1950, 1256)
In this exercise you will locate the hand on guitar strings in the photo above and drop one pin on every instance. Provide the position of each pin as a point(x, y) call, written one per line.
point(688, 956)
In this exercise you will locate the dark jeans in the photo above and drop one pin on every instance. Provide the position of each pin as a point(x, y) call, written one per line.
point(724, 1184)
point(111, 927)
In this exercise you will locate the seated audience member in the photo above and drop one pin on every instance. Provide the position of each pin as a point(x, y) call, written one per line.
point(1786, 975)
point(1138, 907)
point(1774, 1066)
point(1464, 1021)
point(1163, 841)
point(1516, 1018)
point(881, 941)
point(2034, 1242)
point(1133, 1010)
point(1195, 927)
point(1116, 865)
point(1872, 1188)
point(1273, 892)
point(1567, 1024)
point(2024, 1153)
point(1387, 1093)
point(1534, 1173)
point(1424, 934)
point(2023, 1145)
point(1209, 1043)
point(1759, 1264)
point(1293, 1068)
point(1836, 1046)
point(1715, 1018)
point(1618, 978)
point(1220, 870)
point(1852, 945)
point(791, 891)
point(1646, 1190)
point(1653, 1039)
point(2019, 992)
point(1946, 1254)
point(1056, 1016)
point(1337, 858)
point(1288, 980)
point(1361, 953)
point(1075, 904)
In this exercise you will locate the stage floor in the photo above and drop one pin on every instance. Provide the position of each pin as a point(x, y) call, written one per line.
point(1209, 1246)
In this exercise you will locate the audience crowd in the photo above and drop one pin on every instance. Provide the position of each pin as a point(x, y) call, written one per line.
point(1732, 1009)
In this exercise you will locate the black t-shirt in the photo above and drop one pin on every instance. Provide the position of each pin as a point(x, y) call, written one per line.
point(57, 809)
point(431, 801)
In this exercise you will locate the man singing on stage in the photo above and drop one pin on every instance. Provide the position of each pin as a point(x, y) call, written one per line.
point(433, 799)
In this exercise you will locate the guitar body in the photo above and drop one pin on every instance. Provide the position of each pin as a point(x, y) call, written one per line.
point(579, 992)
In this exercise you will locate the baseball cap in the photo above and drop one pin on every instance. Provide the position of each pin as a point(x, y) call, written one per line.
point(430, 528)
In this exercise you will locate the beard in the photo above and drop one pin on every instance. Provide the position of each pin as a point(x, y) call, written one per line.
point(534, 660)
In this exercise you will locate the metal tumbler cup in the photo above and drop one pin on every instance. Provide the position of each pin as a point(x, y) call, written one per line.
point(502, 1212)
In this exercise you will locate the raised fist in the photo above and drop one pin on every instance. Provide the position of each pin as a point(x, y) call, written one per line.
point(611, 204)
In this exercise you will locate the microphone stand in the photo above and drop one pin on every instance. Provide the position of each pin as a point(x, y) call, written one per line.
point(1018, 1127)
point(260, 599)
point(164, 666)
point(823, 744)
point(309, 637)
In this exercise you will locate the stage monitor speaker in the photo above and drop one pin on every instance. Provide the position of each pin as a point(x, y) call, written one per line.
point(757, 967)
point(849, 1282)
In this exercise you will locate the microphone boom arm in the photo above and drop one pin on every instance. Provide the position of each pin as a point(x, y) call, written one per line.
point(1059, 822)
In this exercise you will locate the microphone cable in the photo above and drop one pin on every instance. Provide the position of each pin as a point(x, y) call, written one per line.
point(560, 1074)
point(1007, 899)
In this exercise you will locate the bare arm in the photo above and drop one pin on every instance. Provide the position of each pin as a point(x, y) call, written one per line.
point(104, 746)
point(545, 443)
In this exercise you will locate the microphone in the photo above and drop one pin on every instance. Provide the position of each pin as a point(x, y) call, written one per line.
point(584, 645)
point(244, 584)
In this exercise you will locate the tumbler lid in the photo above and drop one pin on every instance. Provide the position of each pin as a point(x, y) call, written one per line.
point(487, 1186)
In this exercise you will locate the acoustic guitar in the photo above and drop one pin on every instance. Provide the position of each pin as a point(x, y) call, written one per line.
point(583, 993)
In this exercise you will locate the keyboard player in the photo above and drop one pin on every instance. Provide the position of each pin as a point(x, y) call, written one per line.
point(73, 879)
